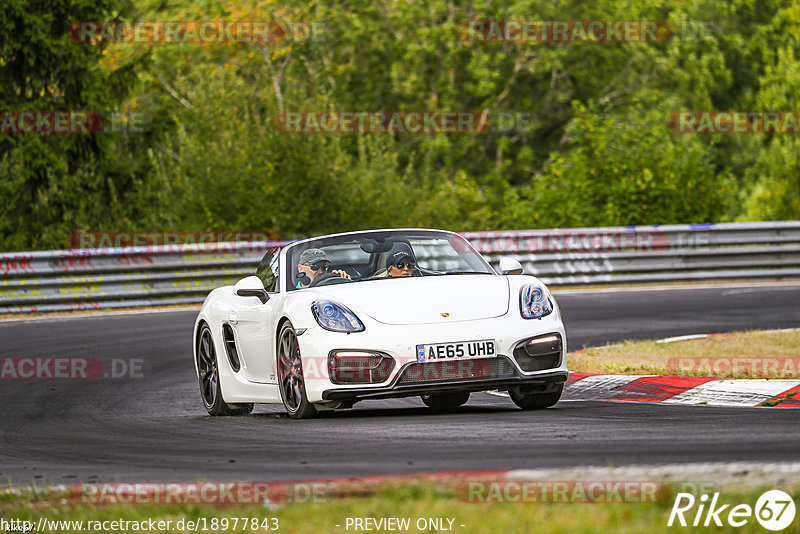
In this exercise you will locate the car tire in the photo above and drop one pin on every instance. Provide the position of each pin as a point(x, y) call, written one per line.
point(208, 377)
point(447, 401)
point(290, 375)
point(536, 401)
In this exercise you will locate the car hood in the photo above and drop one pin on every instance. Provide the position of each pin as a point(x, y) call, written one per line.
point(425, 300)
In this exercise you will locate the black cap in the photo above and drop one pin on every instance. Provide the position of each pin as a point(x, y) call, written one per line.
point(398, 252)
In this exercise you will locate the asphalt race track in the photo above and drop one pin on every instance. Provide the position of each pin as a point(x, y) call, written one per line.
point(154, 428)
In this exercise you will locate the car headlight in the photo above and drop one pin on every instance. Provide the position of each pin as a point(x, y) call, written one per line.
point(336, 317)
point(533, 302)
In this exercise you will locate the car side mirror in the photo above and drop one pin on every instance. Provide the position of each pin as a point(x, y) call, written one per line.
point(251, 286)
point(510, 266)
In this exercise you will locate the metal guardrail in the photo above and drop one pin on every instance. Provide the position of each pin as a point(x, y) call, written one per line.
point(85, 279)
point(79, 279)
point(647, 254)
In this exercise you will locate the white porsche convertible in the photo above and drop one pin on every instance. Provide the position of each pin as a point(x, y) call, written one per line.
point(330, 321)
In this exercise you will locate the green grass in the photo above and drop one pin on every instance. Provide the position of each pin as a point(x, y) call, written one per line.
point(754, 354)
point(406, 500)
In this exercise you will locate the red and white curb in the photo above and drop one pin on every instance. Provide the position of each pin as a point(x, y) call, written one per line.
point(782, 393)
point(683, 390)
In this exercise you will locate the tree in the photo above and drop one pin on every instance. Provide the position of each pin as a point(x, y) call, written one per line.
point(57, 183)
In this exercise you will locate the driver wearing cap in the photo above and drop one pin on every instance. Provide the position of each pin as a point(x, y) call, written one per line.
point(312, 263)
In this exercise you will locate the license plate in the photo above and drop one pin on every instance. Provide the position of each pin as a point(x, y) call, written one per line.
point(462, 350)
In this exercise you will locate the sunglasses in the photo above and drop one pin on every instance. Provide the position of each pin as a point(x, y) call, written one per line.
point(319, 266)
point(403, 265)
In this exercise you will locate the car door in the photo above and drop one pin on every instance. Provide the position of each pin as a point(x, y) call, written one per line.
point(253, 323)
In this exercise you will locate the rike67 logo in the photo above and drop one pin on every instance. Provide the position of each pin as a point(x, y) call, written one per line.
point(774, 510)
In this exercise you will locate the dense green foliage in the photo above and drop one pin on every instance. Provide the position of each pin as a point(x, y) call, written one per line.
point(597, 150)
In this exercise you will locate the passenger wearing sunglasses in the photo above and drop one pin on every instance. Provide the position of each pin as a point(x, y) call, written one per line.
point(400, 262)
point(312, 263)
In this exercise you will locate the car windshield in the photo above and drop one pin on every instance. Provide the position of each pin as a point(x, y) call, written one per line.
point(380, 255)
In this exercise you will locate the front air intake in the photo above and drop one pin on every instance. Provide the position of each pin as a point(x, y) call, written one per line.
point(539, 353)
point(359, 367)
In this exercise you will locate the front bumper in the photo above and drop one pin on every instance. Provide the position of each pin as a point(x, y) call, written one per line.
point(399, 342)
